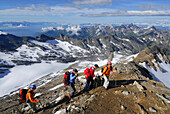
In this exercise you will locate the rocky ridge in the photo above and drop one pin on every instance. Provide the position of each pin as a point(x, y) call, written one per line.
point(131, 91)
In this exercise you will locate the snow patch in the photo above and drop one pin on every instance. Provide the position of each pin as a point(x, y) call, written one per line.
point(20, 76)
point(3, 33)
point(56, 87)
point(164, 76)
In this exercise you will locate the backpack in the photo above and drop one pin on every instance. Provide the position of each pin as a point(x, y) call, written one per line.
point(66, 78)
point(86, 71)
point(22, 95)
point(103, 69)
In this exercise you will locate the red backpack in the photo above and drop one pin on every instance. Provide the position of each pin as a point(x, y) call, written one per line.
point(86, 71)
point(66, 78)
point(22, 95)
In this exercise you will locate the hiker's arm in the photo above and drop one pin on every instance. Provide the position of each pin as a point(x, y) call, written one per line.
point(115, 70)
point(31, 98)
point(72, 76)
point(92, 72)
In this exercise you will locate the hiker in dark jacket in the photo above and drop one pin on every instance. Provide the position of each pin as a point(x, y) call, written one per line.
point(73, 76)
point(89, 77)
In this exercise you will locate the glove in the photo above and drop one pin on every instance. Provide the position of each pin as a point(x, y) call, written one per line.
point(36, 101)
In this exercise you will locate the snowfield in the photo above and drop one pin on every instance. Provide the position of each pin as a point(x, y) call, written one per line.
point(164, 76)
point(21, 76)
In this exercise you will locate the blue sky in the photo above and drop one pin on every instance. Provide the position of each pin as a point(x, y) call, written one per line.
point(86, 11)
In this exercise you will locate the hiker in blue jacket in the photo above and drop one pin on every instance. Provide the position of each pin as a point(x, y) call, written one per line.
point(73, 75)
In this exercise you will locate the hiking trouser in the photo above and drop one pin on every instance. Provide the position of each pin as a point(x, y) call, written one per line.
point(106, 82)
point(32, 106)
point(89, 83)
point(73, 89)
point(97, 82)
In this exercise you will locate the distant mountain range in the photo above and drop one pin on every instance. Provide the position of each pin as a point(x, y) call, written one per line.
point(90, 43)
point(129, 37)
point(37, 28)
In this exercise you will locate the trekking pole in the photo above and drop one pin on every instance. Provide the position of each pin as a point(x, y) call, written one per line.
point(115, 76)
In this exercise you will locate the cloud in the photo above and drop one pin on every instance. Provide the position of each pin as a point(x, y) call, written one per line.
point(29, 10)
point(53, 10)
point(147, 7)
point(129, 13)
point(40, 10)
point(14, 26)
point(153, 7)
point(93, 2)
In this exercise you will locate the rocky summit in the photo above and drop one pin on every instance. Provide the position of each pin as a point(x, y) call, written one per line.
point(132, 90)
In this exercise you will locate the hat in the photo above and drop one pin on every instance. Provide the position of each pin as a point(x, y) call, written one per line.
point(109, 63)
point(96, 65)
point(75, 70)
point(33, 87)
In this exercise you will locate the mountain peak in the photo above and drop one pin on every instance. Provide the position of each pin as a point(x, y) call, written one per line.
point(151, 27)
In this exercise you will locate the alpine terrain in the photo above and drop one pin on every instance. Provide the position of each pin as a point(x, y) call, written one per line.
point(141, 55)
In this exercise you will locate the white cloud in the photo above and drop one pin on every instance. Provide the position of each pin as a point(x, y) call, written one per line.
point(45, 29)
point(29, 10)
point(86, 12)
point(93, 2)
point(14, 26)
point(129, 13)
point(153, 7)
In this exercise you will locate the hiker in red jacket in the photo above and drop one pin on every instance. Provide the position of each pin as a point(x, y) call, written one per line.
point(89, 74)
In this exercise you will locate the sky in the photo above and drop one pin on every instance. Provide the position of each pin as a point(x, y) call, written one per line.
point(86, 11)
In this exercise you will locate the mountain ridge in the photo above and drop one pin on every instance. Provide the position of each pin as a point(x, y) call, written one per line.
point(131, 90)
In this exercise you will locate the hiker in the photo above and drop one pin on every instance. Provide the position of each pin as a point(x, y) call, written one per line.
point(106, 73)
point(89, 74)
point(30, 98)
point(73, 76)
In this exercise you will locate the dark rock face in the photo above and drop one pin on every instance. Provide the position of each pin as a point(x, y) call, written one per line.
point(44, 38)
point(10, 42)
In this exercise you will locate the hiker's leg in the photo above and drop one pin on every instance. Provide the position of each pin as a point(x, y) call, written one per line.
point(72, 89)
point(106, 82)
point(91, 83)
point(33, 106)
point(29, 105)
point(102, 81)
point(26, 108)
point(98, 81)
point(87, 84)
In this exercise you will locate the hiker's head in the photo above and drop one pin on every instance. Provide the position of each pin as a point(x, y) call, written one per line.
point(75, 70)
point(33, 87)
point(109, 63)
point(96, 66)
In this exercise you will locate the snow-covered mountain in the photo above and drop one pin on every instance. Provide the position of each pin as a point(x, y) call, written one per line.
point(139, 81)
point(44, 50)
point(126, 39)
